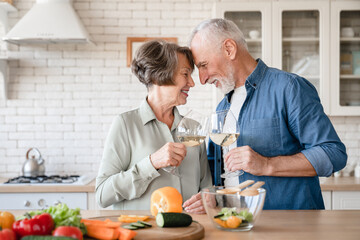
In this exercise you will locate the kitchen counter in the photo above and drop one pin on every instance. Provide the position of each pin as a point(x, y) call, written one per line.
point(327, 184)
point(340, 184)
point(284, 224)
point(48, 188)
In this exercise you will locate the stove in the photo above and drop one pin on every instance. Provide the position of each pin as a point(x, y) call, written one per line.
point(52, 179)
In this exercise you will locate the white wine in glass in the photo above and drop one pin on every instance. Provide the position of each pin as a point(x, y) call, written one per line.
point(191, 131)
point(224, 131)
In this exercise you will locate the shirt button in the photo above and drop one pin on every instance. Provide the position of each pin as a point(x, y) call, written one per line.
point(148, 178)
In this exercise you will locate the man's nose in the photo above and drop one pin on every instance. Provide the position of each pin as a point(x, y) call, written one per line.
point(203, 77)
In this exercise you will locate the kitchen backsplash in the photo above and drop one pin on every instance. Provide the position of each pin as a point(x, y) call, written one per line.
point(63, 98)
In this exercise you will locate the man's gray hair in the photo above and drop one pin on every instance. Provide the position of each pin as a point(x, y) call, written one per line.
point(216, 30)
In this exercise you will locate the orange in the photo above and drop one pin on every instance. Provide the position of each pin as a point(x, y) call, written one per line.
point(166, 199)
point(233, 222)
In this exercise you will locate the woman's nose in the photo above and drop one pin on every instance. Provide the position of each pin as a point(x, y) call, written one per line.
point(191, 82)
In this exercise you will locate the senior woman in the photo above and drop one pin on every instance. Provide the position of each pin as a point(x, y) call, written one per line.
point(142, 142)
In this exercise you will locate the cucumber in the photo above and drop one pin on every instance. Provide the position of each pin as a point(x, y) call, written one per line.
point(138, 225)
point(49, 237)
point(170, 219)
point(130, 227)
point(145, 223)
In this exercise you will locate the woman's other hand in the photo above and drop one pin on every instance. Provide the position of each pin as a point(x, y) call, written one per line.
point(194, 205)
point(171, 154)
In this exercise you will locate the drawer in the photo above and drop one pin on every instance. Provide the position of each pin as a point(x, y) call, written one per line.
point(25, 201)
point(346, 200)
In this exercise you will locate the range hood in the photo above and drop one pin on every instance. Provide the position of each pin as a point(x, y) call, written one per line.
point(49, 21)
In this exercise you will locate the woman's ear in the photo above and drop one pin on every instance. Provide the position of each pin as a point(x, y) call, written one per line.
point(230, 48)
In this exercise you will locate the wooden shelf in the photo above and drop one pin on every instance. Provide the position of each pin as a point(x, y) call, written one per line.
point(350, 39)
point(350, 76)
point(253, 41)
point(300, 39)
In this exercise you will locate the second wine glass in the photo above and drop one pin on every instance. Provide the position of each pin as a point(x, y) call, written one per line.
point(224, 130)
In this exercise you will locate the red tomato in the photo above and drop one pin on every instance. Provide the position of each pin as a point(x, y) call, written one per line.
point(7, 234)
point(68, 231)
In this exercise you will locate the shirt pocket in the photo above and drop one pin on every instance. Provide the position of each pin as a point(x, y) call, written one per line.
point(265, 136)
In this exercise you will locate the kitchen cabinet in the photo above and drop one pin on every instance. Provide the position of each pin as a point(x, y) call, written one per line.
point(327, 196)
point(346, 200)
point(4, 9)
point(345, 59)
point(304, 37)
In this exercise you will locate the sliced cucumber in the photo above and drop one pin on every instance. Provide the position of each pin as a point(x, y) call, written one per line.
point(137, 224)
point(130, 227)
point(173, 219)
point(145, 223)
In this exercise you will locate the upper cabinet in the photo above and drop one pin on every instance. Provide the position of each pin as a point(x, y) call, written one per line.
point(301, 42)
point(304, 37)
point(345, 59)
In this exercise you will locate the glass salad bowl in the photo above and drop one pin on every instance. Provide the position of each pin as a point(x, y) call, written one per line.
point(232, 211)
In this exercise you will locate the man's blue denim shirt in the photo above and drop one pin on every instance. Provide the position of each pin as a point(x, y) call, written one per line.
point(282, 115)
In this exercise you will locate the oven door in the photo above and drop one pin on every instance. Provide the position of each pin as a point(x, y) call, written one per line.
point(28, 201)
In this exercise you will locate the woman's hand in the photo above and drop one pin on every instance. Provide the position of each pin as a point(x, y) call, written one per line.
point(171, 154)
point(194, 205)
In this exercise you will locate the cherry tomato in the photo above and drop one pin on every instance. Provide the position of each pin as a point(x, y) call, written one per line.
point(68, 231)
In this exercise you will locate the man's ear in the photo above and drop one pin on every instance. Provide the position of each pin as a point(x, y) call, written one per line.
point(230, 48)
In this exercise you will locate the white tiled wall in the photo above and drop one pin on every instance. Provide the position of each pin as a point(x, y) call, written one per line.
point(62, 98)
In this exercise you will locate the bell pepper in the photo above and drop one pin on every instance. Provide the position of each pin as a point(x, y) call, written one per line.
point(6, 220)
point(7, 234)
point(41, 224)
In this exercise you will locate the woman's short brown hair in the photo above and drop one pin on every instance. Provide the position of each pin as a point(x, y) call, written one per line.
point(155, 62)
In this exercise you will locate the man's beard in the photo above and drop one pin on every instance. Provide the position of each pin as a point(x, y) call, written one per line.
point(228, 82)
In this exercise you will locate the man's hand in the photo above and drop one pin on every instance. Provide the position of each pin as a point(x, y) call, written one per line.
point(171, 154)
point(245, 158)
point(194, 205)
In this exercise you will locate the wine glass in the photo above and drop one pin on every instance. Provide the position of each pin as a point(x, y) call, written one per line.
point(191, 131)
point(224, 131)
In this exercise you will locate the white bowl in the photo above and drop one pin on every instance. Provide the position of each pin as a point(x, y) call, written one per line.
point(254, 34)
point(347, 32)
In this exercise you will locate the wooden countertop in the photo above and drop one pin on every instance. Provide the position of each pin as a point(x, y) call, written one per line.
point(340, 184)
point(26, 188)
point(327, 184)
point(275, 224)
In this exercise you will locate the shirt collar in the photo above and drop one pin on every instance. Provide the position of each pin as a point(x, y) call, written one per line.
point(147, 114)
point(254, 78)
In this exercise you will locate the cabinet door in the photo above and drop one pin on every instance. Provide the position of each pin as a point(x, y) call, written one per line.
point(254, 20)
point(345, 60)
point(327, 199)
point(346, 200)
point(301, 42)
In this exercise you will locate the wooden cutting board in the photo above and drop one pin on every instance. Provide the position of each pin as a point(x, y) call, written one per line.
point(193, 232)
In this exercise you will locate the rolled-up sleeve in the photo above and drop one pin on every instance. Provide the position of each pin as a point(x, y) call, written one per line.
point(314, 130)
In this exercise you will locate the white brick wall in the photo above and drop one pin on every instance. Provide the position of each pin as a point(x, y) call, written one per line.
point(62, 98)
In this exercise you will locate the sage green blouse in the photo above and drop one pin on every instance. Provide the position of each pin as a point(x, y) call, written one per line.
point(126, 176)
